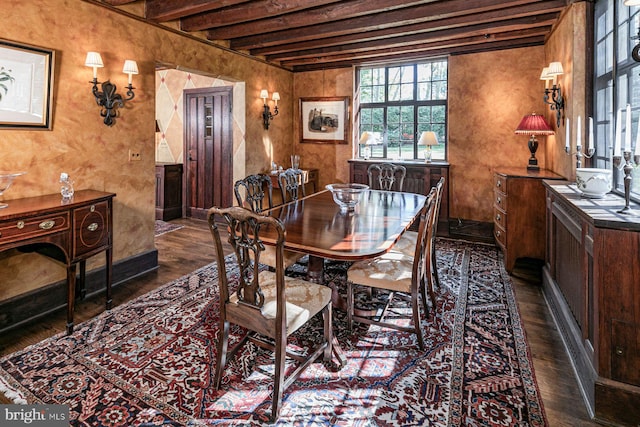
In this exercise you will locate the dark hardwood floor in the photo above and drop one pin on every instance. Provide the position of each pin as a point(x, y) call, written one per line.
point(184, 250)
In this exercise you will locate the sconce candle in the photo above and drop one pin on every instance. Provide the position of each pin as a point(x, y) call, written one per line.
point(591, 140)
point(567, 145)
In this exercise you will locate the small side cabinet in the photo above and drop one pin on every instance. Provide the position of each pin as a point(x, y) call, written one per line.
point(168, 191)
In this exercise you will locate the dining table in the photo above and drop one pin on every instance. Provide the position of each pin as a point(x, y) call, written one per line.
point(317, 226)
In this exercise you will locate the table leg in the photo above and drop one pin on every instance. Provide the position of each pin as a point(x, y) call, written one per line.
point(71, 296)
point(315, 274)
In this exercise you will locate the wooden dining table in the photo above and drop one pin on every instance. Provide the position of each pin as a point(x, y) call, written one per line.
point(315, 225)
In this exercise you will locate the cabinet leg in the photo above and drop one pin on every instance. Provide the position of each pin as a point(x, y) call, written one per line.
point(71, 296)
point(109, 271)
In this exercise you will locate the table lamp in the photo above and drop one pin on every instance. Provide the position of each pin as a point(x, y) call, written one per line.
point(428, 139)
point(533, 124)
point(366, 139)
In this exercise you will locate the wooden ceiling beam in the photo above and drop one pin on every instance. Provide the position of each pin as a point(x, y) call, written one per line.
point(336, 16)
point(254, 11)
point(484, 28)
point(387, 25)
point(420, 47)
point(163, 10)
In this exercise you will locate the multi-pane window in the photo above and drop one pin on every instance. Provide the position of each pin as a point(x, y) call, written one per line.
point(616, 83)
point(398, 103)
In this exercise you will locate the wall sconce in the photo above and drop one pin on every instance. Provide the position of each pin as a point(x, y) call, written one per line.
point(554, 92)
point(428, 139)
point(267, 116)
point(108, 99)
point(533, 124)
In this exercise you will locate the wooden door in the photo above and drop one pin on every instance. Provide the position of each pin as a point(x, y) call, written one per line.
point(208, 150)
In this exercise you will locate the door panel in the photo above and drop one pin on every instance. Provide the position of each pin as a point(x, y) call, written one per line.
point(208, 149)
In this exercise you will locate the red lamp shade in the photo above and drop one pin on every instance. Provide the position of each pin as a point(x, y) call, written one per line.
point(533, 125)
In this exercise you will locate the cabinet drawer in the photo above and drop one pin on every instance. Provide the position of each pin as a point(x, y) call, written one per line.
point(33, 227)
point(500, 236)
point(91, 228)
point(500, 183)
point(500, 218)
point(500, 200)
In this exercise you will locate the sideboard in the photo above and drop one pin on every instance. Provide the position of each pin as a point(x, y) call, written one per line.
point(420, 178)
point(591, 281)
point(71, 231)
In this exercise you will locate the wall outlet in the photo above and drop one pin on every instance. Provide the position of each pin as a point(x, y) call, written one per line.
point(134, 156)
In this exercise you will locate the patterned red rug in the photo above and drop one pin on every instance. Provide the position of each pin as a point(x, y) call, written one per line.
point(163, 227)
point(151, 362)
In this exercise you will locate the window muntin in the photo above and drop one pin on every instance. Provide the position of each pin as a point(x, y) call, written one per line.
point(398, 103)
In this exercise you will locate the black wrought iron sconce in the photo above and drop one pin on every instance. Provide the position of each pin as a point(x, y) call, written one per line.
point(553, 95)
point(267, 116)
point(108, 99)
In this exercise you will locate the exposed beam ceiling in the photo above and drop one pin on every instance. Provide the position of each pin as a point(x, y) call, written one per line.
point(304, 35)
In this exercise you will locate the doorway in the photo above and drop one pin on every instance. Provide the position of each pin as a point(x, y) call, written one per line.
point(208, 150)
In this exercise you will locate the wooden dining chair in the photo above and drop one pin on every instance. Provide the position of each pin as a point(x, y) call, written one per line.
point(255, 192)
point(291, 184)
point(407, 243)
point(386, 176)
point(267, 304)
point(397, 273)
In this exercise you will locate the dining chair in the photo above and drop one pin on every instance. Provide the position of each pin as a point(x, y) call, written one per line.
point(291, 184)
point(407, 243)
point(397, 273)
point(383, 176)
point(266, 304)
point(255, 192)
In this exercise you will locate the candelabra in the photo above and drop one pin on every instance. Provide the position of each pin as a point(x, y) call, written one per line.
point(580, 154)
point(630, 162)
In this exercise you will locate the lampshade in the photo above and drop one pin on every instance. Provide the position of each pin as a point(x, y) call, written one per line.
point(534, 124)
point(428, 138)
point(276, 96)
point(264, 94)
point(631, 2)
point(545, 74)
point(93, 60)
point(555, 69)
point(368, 138)
point(130, 67)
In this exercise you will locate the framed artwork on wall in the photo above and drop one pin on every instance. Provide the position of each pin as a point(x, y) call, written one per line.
point(324, 120)
point(26, 86)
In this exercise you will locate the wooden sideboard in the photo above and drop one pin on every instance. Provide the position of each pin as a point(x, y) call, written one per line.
point(591, 280)
point(69, 231)
point(420, 178)
point(519, 213)
point(168, 191)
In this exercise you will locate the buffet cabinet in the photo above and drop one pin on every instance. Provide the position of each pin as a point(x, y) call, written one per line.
point(591, 280)
point(420, 178)
point(518, 213)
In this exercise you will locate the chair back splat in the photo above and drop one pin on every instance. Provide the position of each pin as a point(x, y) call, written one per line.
point(266, 304)
point(386, 176)
point(255, 192)
point(291, 185)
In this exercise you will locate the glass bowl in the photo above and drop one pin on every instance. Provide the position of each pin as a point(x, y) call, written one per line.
point(6, 179)
point(347, 195)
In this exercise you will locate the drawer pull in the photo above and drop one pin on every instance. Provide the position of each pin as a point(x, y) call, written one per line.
point(93, 226)
point(499, 184)
point(20, 225)
point(47, 225)
point(499, 200)
point(92, 208)
point(498, 233)
point(498, 217)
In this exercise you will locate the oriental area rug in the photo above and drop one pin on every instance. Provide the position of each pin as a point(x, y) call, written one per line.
point(163, 227)
point(151, 361)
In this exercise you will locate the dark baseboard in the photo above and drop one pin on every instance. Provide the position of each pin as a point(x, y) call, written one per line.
point(475, 231)
point(33, 305)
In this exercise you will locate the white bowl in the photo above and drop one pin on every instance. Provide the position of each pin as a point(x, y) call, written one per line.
point(347, 195)
point(594, 183)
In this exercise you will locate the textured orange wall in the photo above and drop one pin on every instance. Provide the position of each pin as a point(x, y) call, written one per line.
point(96, 155)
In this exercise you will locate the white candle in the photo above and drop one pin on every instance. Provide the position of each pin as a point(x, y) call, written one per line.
point(627, 132)
point(591, 140)
point(618, 138)
point(579, 134)
point(567, 135)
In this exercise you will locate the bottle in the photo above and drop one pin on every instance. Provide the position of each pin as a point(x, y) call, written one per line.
point(66, 186)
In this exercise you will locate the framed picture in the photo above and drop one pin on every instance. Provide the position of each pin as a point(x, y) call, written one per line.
point(26, 86)
point(324, 120)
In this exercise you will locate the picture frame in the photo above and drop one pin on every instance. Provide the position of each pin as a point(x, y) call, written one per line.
point(324, 120)
point(26, 86)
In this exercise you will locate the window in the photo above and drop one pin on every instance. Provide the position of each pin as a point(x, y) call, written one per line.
point(616, 83)
point(398, 103)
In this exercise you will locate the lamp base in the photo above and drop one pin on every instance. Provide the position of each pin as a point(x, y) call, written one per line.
point(533, 147)
point(427, 155)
